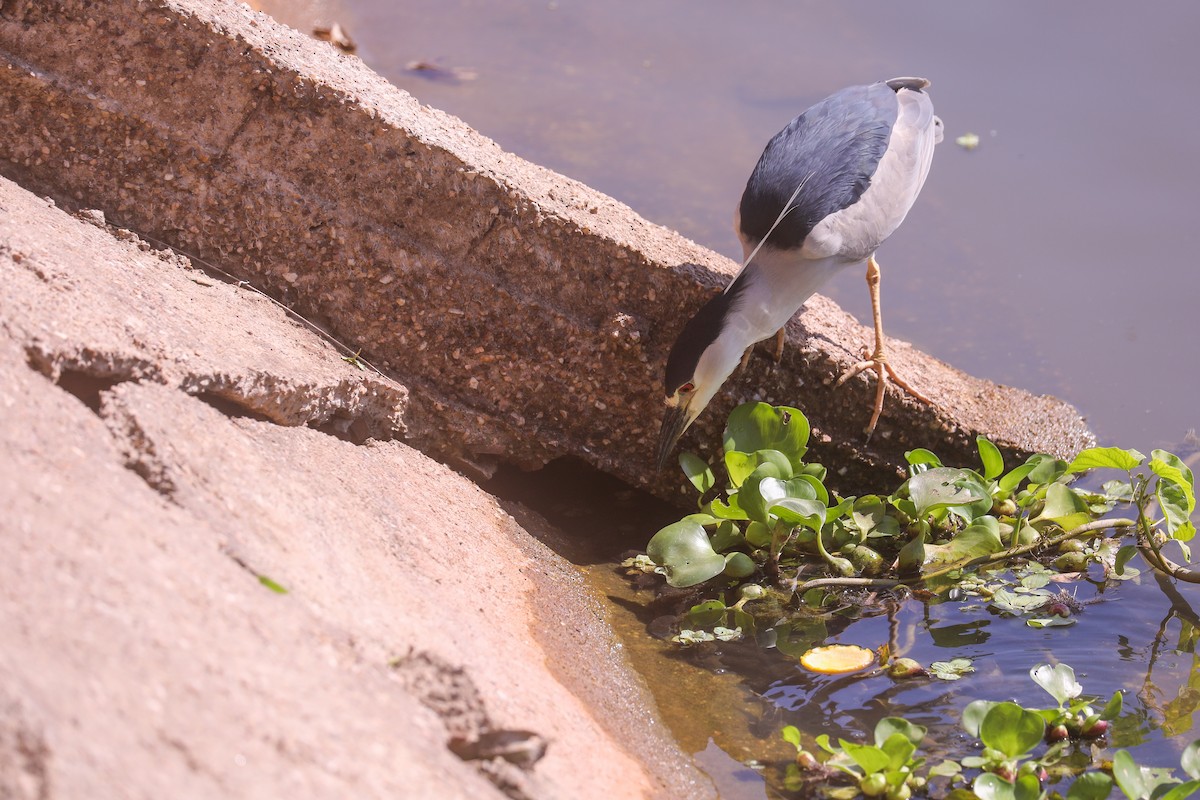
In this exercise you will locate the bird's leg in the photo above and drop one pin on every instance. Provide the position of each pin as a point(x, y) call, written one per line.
point(878, 360)
point(780, 337)
point(776, 352)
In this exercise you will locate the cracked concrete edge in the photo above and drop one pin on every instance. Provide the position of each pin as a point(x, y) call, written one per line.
point(141, 663)
point(126, 331)
point(528, 314)
point(63, 334)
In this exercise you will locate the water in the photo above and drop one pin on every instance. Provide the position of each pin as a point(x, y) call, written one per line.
point(1056, 257)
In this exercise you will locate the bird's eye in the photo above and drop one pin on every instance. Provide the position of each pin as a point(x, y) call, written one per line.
point(687, 388)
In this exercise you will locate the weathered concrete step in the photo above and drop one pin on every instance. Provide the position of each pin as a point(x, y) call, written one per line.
point(529, 315)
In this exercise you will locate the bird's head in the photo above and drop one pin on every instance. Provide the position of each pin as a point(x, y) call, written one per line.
point(703, 357)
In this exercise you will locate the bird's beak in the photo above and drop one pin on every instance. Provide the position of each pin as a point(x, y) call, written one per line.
point(675, 421)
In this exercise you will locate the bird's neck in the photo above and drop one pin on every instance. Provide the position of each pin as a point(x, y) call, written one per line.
point(776, 284)
point(765, 295)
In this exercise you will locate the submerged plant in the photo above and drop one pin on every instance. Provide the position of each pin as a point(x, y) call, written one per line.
point(770, 522)
point(1009, 767)
point(772, 555)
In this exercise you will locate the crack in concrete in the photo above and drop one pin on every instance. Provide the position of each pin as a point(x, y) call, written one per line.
point(341, 410)
point(24, 756)
point(449, 691)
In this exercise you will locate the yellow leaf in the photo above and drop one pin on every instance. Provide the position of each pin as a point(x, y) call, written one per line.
point(834, 659)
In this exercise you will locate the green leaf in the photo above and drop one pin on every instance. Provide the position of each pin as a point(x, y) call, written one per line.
point(1112, 710)
point(1106, 458)
point(1190, 760)
point(1129, 776)
point(729, 509)
point(706, 614)
point(739, 565)
point(944, 487)
point(1046, 469)
point(1090, 786)
point(1179, 791)
point(1170, 467)
point(1118, 491)
point(912, 555)
point(1050, 622)
point(683, 549)
point(758, 534)
point(819, 490)
point(727, 634)
point(870, 517)
point(951, 670)
point(990, 786)
point(791, 735)
point(697, 471)
point(798, 511)
point(899, 750)
point(920, 457)
point(726, 537)
point(1064, 508)
point(888, 727)
point(1174, 503)
point(871, 759)
point(1058, 680)
point(842, 509)
point(777, 458)
point(989, 456)
point(1028, 787)
point(1011, 729)
point(1122, 558)
point(1014, 603)
point(1014, 477)
point(973, 714)
point(272, 585)
point(762, 490)
point(738, 466)
point(946, 769)
point(758, 426)
point(980, 538)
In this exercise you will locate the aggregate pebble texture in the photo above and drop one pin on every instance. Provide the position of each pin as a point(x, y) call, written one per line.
point(173, 450)
point(528, 315)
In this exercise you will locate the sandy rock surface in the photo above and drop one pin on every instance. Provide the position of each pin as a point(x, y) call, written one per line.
point(166, 441)
point(529, 315)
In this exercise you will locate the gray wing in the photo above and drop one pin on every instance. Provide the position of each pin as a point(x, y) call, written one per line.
point(832, 149)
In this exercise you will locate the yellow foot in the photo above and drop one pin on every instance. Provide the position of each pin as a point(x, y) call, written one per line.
point(884, 372)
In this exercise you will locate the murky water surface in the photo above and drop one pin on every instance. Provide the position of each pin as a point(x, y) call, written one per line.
point(1057, 256)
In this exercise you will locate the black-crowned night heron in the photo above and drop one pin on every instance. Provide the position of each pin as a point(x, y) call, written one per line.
point(827, 191)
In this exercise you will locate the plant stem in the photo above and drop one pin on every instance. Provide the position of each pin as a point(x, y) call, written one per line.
point(1025, 549)
point(1003, 555)
point(1148, 546)
point(815, 583)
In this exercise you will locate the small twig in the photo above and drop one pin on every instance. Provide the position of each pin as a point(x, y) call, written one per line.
point(1004, 555)
point(1148, 546)
point(1025, 549)
point(815, 583)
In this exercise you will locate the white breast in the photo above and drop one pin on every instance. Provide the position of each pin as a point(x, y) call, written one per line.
point(854, 233)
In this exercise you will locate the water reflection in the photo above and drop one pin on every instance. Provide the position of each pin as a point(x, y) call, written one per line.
point(1116, 643)
point(1039, 259)
point(1049, 258)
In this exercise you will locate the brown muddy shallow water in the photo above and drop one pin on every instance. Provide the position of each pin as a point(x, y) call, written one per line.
point(1056, 256)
